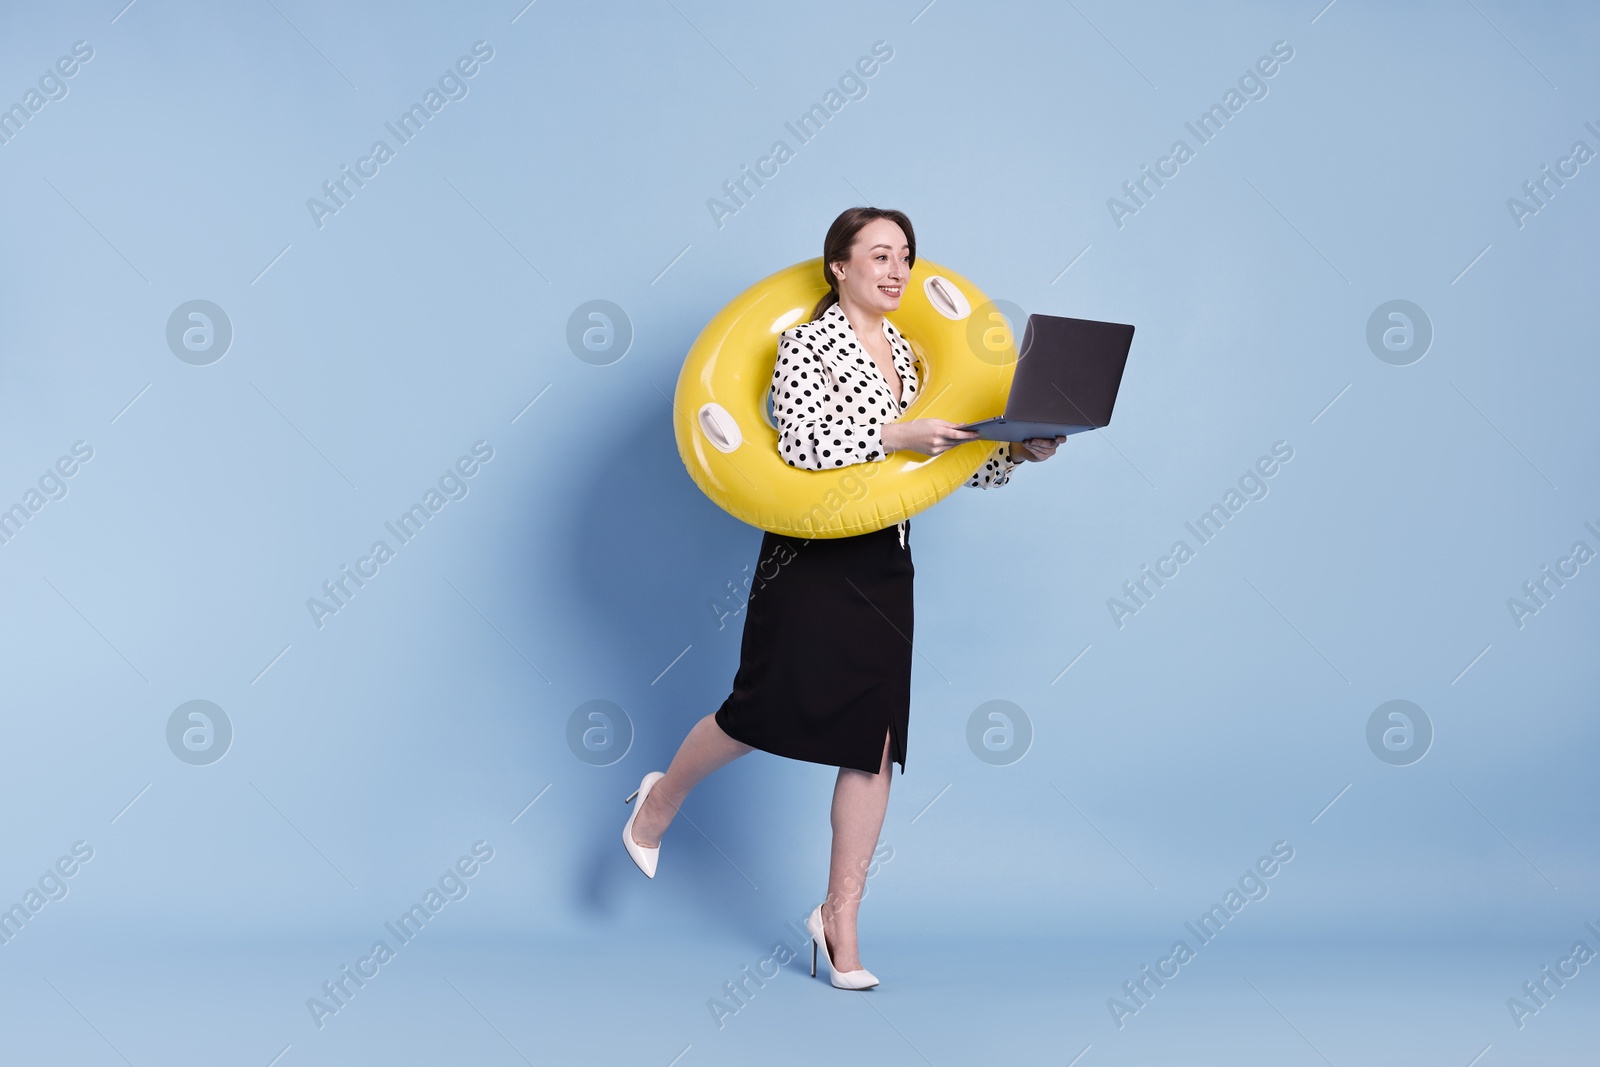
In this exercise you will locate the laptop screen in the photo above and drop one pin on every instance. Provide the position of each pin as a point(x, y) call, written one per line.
point(1068, 371)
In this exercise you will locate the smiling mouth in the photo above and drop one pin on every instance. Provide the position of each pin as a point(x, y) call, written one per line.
point(892, 290)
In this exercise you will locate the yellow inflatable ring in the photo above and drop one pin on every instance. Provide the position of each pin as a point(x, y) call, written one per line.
point(728, 441)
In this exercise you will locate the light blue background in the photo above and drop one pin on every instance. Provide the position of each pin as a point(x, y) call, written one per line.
point(370, 353)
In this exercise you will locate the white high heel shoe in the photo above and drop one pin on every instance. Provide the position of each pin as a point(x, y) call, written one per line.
point(644, 857)
point(860, 978)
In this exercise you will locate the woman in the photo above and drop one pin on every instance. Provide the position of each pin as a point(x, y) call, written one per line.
point(825, 663)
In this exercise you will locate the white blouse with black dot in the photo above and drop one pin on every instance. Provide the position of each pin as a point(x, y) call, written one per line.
point(831, 401)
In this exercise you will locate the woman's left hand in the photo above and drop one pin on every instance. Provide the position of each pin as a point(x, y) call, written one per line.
point(1037, 449)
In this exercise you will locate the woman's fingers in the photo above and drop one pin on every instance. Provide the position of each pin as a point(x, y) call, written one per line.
point(1041, 447)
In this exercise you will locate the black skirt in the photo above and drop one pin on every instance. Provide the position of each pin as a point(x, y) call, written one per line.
point(825, 662)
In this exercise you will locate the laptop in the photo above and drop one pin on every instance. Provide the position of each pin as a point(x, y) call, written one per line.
point(1065, 382)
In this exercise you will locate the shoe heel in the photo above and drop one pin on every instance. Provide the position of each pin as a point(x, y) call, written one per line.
point(813, 957)
point(629, 798)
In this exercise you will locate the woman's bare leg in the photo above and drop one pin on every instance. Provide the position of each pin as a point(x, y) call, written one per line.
point(859, 802)
point(703, 751)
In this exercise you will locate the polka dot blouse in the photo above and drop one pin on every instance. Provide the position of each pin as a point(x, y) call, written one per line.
point(830, 400)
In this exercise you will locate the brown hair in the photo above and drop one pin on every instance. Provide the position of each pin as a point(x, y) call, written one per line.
point(842, 236)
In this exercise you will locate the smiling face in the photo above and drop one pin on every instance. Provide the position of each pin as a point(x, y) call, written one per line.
point(878, 268)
